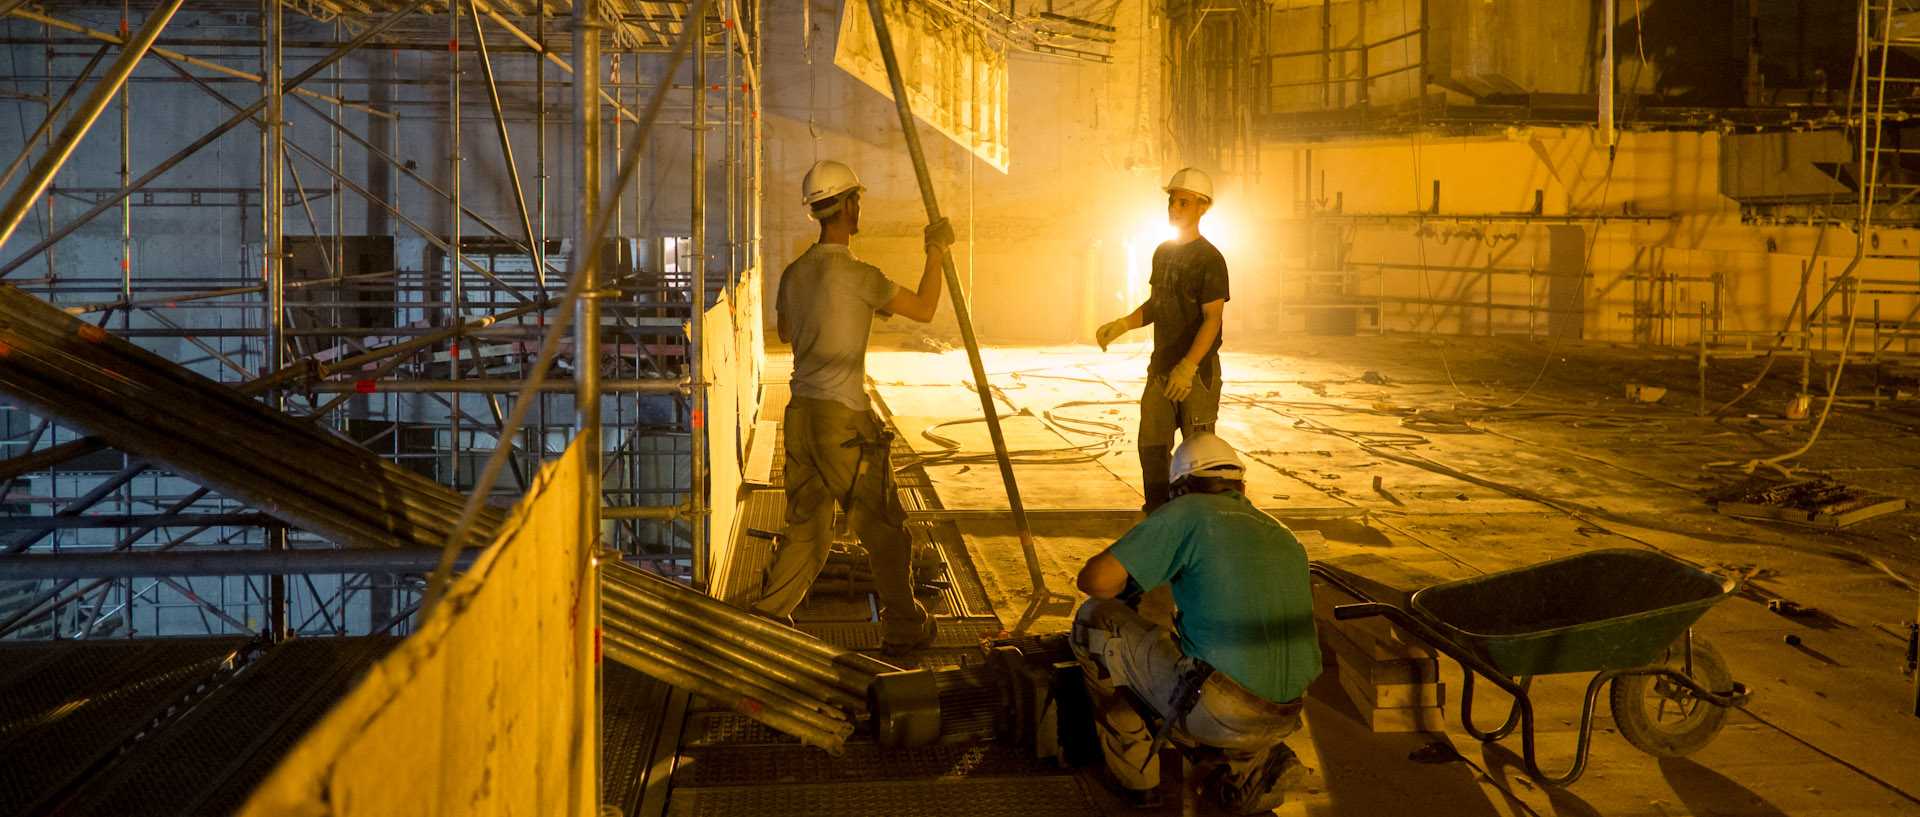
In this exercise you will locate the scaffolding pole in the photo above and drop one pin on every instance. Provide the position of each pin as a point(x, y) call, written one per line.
point(981, 386)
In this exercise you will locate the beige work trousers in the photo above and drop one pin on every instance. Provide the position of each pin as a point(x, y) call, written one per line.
point(822, 470)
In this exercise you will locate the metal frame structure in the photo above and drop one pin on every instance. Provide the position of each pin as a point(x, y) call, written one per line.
point(410, 361)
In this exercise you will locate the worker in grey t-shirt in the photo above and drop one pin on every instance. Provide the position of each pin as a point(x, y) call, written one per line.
point(836, 451)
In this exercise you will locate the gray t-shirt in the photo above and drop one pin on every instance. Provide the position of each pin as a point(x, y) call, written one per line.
point(828, 298)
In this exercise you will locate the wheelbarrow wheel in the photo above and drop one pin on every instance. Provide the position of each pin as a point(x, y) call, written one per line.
point(1665, 719)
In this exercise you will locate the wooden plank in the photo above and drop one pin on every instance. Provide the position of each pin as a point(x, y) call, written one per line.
point(1374, 636)
point(759, 468)
point(1393, 695)
point(1392, 719)
point(1378, 670)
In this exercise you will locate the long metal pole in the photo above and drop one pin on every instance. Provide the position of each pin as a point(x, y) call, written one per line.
point(731, 694)
point(176, 56)
point(959, 298)
point(682, 622)
point(121, 564)
point(41, 176)
point(731, 659)
point(588, 634)
point(696, 355)
point(506, 151)
point(490, 386)
point(273, 265)
point(457, 287)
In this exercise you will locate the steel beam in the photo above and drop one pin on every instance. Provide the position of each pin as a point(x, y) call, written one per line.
point(131, 564)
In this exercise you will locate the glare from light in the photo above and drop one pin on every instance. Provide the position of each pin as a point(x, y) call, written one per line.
point(1221, 228)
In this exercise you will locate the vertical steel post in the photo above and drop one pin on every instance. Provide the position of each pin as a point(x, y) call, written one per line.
point(273, 265)
point(959, 298)
point(697, 389)
point(126, 175)
point(730, 161)
point(540, 193)
point(1606, 75)
point(455, 255)
point(586, 367)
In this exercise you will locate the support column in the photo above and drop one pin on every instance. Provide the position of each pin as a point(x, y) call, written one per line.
point(586, 367)
point(697, 448)
point(273, 267)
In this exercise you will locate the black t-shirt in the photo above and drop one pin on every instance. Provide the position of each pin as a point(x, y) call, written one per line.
point(1184, 277)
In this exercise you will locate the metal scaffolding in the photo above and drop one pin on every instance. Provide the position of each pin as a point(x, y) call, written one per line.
point(400, 278)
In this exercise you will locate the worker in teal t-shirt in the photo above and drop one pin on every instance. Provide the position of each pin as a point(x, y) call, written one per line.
point(1244, 613)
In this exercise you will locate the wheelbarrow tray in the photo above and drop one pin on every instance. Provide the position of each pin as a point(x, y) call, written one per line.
point(1600, 610)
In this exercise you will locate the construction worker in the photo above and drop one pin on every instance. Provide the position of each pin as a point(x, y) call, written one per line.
point(1231, 682)
point(1188, 298)
point(836, 445)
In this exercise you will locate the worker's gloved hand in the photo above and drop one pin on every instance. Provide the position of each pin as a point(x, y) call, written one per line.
point(940, 234)
point(1180, 380)
point(1109, 331)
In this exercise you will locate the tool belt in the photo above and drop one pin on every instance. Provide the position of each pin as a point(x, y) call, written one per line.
point(1222, 685)
point(874, 475)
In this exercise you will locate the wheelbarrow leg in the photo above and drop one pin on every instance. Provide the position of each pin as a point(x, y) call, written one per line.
point(1466, 708)
point(1580, 748)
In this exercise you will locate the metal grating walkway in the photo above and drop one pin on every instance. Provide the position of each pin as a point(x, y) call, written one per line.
point(210, 759)
point(730, 765)
point(67, 709)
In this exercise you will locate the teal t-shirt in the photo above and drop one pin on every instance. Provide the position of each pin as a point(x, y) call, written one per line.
point(1245, 600)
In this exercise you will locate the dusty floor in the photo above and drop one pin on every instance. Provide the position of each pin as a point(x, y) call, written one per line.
point(1422, 460)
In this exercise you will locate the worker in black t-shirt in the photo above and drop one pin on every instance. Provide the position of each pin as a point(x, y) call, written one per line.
point(1188, 297)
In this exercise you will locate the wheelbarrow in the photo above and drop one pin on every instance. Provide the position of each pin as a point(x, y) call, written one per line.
point(1625, 615)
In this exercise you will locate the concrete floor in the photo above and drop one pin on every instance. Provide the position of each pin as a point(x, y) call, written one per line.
point(1421, 459)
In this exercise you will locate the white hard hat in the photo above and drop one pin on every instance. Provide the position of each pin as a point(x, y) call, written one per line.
point(827, 179)
point(1205, 455)
point(1193, 181)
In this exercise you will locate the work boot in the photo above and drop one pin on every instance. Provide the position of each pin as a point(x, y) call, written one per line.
point(1142, 799)
point(1265, 788)
point(894, 648)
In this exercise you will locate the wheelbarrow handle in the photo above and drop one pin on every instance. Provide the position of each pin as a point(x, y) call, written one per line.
point(1365, 609)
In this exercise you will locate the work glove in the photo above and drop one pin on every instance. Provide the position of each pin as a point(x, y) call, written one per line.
point(1109, 331)
point(1180, 380)
point(940, 234)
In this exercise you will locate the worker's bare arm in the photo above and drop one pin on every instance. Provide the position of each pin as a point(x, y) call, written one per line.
point(921, 304)
point(1103, 577)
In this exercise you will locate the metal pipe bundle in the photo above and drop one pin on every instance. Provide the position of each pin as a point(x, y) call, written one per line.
point(145, 405)
point(784, 678)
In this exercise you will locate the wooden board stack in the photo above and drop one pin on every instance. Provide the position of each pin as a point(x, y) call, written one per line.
point(1392, 678)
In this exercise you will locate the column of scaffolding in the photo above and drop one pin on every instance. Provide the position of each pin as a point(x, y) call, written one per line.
point(441, 359)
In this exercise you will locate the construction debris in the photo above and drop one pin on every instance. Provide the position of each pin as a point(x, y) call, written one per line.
point(1813, 501)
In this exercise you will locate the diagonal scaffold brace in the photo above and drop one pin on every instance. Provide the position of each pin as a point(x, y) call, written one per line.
point(959, 299)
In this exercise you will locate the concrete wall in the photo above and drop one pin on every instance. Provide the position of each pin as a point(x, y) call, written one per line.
point(1652, 221)
point(487, 710)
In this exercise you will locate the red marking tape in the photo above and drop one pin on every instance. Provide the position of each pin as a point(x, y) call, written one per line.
point(363, 386)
